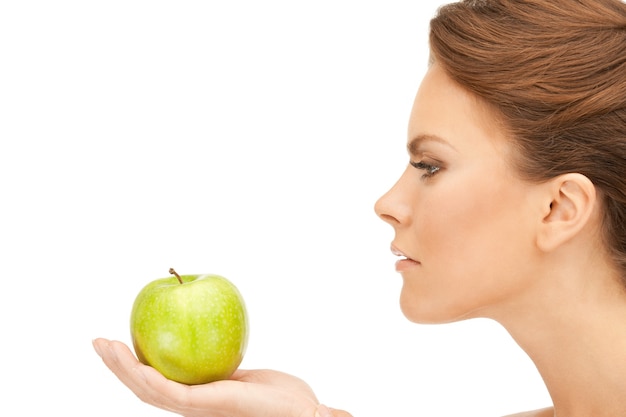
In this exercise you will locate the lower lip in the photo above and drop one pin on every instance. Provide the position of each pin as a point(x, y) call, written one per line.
point(406, 264)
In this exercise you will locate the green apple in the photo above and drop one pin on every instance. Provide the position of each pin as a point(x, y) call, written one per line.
point(191, 328)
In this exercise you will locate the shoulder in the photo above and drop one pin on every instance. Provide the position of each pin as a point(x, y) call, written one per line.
point(544, 412)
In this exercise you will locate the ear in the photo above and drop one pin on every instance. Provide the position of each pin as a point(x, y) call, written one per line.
point(569, 204)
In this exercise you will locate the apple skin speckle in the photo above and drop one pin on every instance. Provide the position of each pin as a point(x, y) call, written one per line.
point(195, 332)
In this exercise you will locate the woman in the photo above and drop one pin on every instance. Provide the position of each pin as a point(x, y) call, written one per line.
point(513, 207)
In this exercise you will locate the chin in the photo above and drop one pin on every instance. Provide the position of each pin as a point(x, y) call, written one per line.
point(416, 313)
point(423, 311)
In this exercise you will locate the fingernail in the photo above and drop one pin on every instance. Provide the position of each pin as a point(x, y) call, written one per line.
point(96, 348)
point(323, 411)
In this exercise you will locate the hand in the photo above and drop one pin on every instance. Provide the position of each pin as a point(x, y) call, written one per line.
point(257, 393)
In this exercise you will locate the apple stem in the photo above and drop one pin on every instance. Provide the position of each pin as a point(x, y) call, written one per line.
point(177, 276)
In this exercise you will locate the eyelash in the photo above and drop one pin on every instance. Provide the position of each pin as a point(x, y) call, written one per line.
point(430, 170)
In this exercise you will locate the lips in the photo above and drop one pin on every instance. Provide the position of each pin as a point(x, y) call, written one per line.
point(405, 263)
point(398, 252)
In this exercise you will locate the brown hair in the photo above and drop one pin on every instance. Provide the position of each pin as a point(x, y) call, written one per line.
point(555, 72)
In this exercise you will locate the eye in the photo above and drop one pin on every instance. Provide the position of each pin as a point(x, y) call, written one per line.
point(429, 169)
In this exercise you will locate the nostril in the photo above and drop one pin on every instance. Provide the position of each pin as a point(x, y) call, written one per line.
point(388, 218)
point(392, 206)
point(382, 209)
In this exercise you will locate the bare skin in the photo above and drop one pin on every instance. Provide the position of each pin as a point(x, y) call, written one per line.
point(474, 240)
point(249, 393)
point(526, 255)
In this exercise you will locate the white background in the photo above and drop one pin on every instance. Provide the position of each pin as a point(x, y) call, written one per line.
point(245, 138)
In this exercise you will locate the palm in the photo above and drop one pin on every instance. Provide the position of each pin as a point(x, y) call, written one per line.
point(257, 393)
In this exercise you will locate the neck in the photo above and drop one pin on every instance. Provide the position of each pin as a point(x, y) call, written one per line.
point(575, 333)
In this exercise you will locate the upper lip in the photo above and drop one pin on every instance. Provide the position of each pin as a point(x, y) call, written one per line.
point(398, 252)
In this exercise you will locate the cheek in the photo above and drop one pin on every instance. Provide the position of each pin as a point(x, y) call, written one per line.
point(468, 246)
point(452, 222)
point(470, 222)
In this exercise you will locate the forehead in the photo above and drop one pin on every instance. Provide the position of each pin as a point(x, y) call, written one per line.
point(443, 110)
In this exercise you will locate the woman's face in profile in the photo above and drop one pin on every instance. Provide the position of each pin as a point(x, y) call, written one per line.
point(463, 220)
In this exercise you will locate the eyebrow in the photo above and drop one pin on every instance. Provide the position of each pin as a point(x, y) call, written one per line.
point(413, 146)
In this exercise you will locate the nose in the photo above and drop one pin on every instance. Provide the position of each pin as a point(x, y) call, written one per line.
point(392, 207)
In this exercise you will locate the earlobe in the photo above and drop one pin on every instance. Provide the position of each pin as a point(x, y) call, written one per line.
point(570, 201)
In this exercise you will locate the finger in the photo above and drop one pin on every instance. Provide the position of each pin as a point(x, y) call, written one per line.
point(121, 361)
point(226, 398)
point(164, 393)
point(118, 358)
point(189, 400)
point(153, 388)
point(261, 398)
